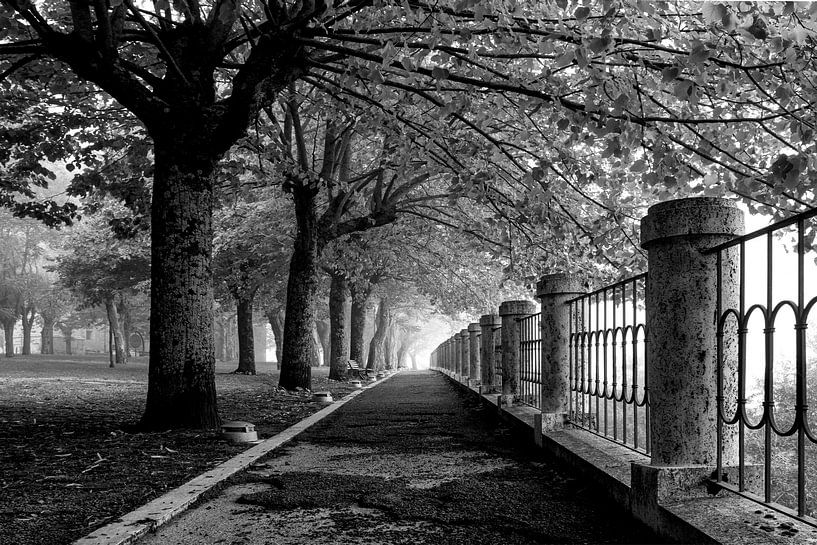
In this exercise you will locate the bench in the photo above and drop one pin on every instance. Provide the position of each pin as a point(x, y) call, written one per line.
point(354, 369)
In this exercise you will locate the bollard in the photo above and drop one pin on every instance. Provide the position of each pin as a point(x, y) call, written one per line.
point(681, 345)
point(488, 323)
point(553, 292)
point(511, 312)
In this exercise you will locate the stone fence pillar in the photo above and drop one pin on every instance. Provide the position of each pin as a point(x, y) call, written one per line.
point(447, 365)
point(473, 353)
point(456, 354)
point(553, 292)
point(465, 355)
point(511, 312)
point(681, 345)
point(488, 323)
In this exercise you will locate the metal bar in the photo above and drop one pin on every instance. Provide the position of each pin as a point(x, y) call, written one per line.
point(623, 364)
point(719, 370)
point(599, 341)
point(768, 375)
point(607, 288)
point(741, 405)
point(615, 365)
point(606, 382)
point(635, 367)
point(801, 403)
point(798, 218)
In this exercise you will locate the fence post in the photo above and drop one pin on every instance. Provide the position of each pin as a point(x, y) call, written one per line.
point(510, 312)
point(553, 292)
point(681, 341)
point(488, 323)
point(473, 352)
point(465, 355)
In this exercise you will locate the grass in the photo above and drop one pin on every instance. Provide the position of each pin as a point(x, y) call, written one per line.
point(68, 466)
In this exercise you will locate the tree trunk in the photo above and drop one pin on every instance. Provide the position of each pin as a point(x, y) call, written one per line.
point(219, 338)
point(401, 355)
point(181, 377)
point(47, 336)
point(322, 329)
point(377, 358)
point(125, 321)
point(390, 346)
point(66, 336)
point(276, 322)
point(8, 330)
point(116, 330)
point(302, 288)
point(315, 357)
point(246, 338)
point(359, 314)
point(27, 319)
point(339, 335)
point(413, 356)
point(232, 338)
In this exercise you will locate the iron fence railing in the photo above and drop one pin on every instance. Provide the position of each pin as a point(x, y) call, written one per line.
point(766, 356)
point(608, 368)
point(530, 360)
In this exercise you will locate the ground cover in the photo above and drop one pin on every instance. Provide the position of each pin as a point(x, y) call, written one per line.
point(69, 466)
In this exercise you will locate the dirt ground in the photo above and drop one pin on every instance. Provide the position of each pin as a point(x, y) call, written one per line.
point(67, 465)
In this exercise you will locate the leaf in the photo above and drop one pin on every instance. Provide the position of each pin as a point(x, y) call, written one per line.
point(669, 74)
point(565, 59)
point(597, 45)
point(581, 13)
point(713, 12)
point(439, 73)
point(699, 54)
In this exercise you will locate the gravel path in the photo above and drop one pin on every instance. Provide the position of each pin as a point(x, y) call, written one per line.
point(410, 461)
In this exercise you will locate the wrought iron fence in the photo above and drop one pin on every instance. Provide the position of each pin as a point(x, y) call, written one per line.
point(767, 287)
point(608, 368)
point(530, 360)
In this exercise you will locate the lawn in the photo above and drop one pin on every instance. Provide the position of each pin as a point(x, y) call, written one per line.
point(67, 465)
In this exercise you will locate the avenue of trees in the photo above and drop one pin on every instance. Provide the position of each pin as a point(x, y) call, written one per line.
point(300, 158)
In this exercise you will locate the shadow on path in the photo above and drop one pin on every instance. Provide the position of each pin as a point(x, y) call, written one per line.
point(410, 461)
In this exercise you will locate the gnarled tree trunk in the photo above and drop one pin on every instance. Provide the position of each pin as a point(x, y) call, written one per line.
point(322, 330)
point(339, 334)
point(246, 338)
point(302, 287)
point(181, 385)
point(115, 325)
point(27, 320)
point(125, 321)
point(359, 314)
point(47, 336)
point(377, 356)
point(8, 330)
point(276, 321)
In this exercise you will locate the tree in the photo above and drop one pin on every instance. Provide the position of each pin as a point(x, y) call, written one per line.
point(102, 269)
point(54, 305)
point(250, 246)
point(582, 79)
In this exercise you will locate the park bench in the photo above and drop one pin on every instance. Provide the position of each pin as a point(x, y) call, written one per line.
point(354, 369)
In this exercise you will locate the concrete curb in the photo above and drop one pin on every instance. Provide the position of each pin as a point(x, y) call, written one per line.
point(131, 526)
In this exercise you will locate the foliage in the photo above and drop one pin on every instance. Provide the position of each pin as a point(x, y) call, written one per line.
point(96, 265)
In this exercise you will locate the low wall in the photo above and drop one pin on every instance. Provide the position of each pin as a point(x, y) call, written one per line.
point(626, 478)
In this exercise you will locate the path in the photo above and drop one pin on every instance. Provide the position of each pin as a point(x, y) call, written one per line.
point(410, 461)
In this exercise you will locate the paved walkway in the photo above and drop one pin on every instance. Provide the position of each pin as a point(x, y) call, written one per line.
point(410, 461)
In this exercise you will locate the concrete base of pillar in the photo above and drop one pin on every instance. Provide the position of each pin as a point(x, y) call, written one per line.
point(506, 399)
point(661, 485)
point(547, 422)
